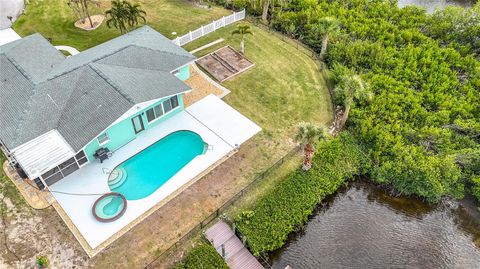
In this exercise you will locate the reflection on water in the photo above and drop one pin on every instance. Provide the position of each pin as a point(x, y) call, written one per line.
point(364, 227)
point(431, 5)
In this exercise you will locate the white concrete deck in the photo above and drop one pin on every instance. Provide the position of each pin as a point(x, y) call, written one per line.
point(8, 35)
point(204, 116)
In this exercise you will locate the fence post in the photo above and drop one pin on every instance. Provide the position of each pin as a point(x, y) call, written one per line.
point(223, 21)
point(190, 35)
point(203, 33)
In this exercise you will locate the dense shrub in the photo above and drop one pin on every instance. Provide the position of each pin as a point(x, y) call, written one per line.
point(457, 27)
point(426, 82)
point(267, 225)
point(203, 256)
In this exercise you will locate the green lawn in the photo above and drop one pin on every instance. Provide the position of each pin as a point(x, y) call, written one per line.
point(284, 87)
point(54, 19)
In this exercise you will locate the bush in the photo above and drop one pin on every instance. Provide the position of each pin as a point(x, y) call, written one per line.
point(476, 187)
point(42, 261)
point(288, 206)
point(203, 256)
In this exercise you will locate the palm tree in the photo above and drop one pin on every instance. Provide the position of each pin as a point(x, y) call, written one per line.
point(326, 27)
point(268, 5)
point(308, 136)
point(80, 8)
point(242, 30)
point(124, 15)
point(349, 87)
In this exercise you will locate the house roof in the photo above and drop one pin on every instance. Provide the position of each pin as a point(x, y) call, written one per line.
point(37, 155)
point(80, 96)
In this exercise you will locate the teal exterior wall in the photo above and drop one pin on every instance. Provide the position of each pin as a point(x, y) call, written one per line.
point(184, 73)
point(122, 132)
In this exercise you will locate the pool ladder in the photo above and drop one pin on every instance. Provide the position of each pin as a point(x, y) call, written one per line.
point(109, 172)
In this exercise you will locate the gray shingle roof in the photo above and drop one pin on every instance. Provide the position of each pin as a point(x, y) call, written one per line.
point(33, 55)
point(80, 96)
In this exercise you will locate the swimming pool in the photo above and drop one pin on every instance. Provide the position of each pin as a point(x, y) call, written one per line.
point(145, 172)
point(109, 207)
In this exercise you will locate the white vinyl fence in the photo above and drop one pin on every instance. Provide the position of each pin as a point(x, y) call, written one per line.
point(206, 29)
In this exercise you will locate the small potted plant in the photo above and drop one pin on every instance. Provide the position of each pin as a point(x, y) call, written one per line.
point(42, 261)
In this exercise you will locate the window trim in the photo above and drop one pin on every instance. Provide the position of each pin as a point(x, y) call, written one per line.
point(60, 170)
point(100, 143)
point(163, 109)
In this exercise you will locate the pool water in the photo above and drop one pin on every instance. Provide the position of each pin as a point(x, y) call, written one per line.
point(151, 168)
point(109, 207)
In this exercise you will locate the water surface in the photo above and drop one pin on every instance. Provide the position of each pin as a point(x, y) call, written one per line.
point(364, 227)
point(431, 5)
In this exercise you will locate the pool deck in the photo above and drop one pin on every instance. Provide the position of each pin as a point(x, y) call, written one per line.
point(215, 121)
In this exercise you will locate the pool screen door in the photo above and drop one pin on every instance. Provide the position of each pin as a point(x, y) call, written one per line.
point(138, 124)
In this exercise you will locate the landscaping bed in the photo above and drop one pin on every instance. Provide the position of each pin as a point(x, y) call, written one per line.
point(224, 63)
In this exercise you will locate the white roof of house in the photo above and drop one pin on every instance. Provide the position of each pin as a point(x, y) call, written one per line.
point(42, 153)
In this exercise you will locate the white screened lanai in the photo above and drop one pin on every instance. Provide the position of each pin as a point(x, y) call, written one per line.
point(48, 157)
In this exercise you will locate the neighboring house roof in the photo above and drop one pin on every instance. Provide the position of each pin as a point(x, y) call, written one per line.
point(80, 96)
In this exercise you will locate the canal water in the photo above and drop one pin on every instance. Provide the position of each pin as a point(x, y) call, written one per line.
point(431, 5)
point(363, 226)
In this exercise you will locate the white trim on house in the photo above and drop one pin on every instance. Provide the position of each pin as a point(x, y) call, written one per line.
point(189, 63)
point(41, 154)
point(163, 111)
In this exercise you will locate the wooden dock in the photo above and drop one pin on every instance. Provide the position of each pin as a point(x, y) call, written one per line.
point(227, 244)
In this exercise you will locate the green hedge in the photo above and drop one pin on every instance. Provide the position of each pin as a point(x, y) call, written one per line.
point(203, 256)
point(288, 206)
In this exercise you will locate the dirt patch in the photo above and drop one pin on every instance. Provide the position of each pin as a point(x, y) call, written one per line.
point(224, 63)
point(84, 23)
point(30, 233)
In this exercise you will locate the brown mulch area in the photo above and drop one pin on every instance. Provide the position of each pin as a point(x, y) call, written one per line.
point(200, 88)
point(84, 23)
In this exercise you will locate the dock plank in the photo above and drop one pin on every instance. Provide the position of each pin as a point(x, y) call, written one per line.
point(237, 255)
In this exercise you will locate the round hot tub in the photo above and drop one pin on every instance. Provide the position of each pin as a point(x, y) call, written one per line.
point(109, 207)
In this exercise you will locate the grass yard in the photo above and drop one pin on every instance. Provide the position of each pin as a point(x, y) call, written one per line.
point(284, 87)
point(54, 19)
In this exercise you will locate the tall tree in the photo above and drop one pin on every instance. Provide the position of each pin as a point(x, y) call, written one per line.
point(325, 28)
point(349, 87)
point(80, 8)
point(308, 135)
point(268, 5)
point(242, 30)
point(124, 15)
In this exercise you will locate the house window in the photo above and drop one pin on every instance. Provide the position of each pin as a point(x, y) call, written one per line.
point(103, 139)
point(154, 113)
point(64, 169)
point(81, 158)
point(161, 109)
point(170, 104)
point(68, 167)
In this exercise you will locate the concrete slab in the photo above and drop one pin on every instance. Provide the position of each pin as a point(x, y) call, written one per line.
point(77, 192)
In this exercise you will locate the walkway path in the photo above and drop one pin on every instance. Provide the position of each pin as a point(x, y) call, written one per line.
point(227, 243)
point(8, 35)
point(69, 49)
point(9, 8)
